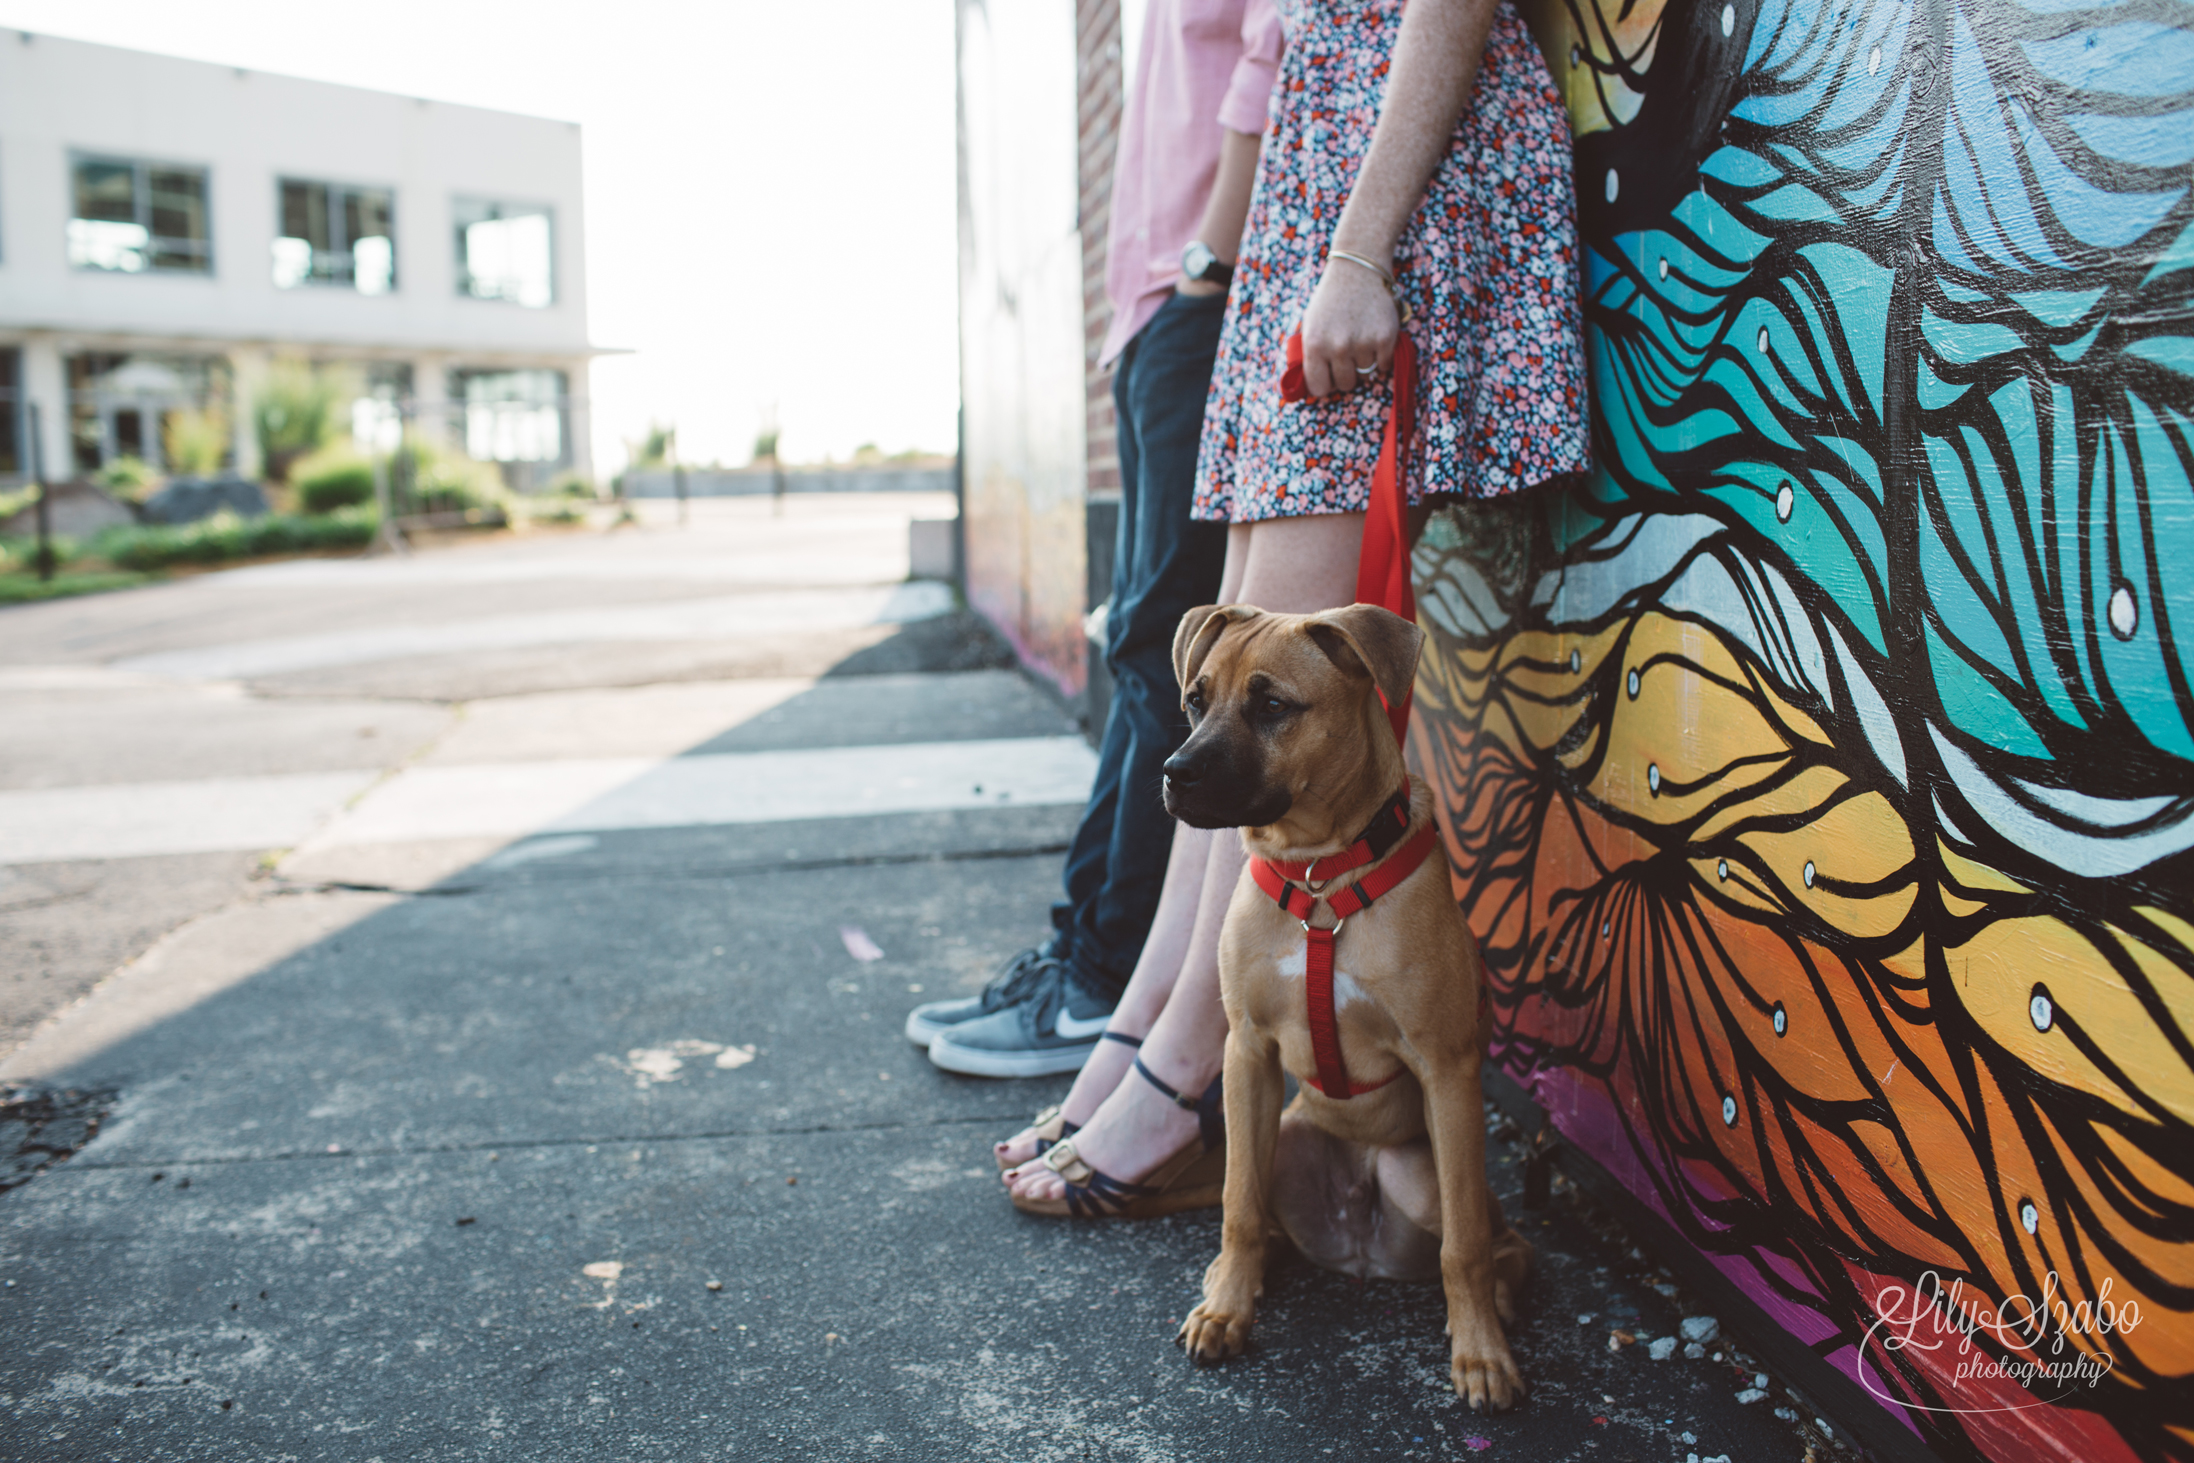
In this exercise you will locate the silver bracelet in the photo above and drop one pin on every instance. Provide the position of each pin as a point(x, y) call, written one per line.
point(1385, 277)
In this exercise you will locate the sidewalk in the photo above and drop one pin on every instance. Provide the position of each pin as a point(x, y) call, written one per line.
point(434, 1147)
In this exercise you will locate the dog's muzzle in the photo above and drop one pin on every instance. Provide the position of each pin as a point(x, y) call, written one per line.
point(1205, 790)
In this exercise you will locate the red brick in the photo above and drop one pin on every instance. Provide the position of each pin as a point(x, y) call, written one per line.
point(1097, 110)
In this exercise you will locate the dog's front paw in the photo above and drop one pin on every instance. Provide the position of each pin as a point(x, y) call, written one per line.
point(1486, 1376)
point(1213, 1333)
point(1219, 1326)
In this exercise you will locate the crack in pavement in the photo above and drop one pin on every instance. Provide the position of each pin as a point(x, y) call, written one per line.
point(656, 873)
point(129, 1165)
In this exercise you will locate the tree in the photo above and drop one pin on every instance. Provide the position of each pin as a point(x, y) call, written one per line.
point(654, 449)
point(295, 412)
point(197, 442)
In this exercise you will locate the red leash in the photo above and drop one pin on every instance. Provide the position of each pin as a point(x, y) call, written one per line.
point(1382, 568)
point(1382, 578)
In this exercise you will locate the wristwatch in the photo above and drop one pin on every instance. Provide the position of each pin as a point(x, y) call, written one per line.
point(1203, 266)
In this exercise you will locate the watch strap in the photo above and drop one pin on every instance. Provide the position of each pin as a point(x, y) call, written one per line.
point(1214, 270)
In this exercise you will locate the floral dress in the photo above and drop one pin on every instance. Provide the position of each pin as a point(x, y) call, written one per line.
point(1488, 265)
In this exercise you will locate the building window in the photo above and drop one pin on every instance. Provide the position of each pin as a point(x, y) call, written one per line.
point(132, 216)
point(504, 252)
point(143, 405)
point(511, 416)
point(12, 438)
point(333, 235)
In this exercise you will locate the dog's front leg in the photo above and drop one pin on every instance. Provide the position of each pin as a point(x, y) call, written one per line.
point(1219, 1327)
point(1485, 1373)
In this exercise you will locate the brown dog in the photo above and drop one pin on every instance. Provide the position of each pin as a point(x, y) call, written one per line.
point(1290, 744)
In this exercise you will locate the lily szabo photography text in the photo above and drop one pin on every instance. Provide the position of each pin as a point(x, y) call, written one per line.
point(2046, 1347)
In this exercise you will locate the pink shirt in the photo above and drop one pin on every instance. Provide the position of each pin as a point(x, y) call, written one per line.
point(1206, 65)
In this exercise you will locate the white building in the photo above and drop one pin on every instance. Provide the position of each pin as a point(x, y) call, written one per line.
point(170, 229)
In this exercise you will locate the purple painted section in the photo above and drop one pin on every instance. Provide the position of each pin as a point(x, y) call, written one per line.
point(1586, 1115)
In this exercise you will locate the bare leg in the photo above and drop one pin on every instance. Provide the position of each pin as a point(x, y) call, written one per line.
point(1165, 952)
point(1164, 955)
point(1237, 560)
point(1298, 566)
point(1293, 565)
point(1135, 1128)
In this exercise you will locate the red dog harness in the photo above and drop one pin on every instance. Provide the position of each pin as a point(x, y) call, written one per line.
point(1299, 895)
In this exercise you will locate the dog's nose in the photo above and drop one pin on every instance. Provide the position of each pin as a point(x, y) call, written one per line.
point(1183, 771)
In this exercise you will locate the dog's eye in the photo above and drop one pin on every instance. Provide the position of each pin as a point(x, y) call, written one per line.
point(1273, 706)
point(1195, 702)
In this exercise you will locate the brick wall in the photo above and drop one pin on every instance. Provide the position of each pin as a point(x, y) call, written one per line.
point(1097, 31)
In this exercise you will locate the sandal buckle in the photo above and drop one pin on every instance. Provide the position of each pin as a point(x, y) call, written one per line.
point(1063, 1155)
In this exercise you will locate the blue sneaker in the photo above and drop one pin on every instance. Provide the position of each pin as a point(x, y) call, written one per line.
point(1054, 1031)
point(1020, 979)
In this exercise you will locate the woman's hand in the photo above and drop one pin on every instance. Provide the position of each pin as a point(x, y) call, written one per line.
point(1349, 329)
point(1352, 321)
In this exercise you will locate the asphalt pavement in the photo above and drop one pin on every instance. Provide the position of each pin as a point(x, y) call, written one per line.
point(452, 1011)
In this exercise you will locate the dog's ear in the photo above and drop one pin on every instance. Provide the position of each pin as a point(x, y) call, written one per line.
point(1200, 630)
point(1368, 641)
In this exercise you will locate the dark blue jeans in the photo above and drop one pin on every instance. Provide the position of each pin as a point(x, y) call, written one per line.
point(1166, 564)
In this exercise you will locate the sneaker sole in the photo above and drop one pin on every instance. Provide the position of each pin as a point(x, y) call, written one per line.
point(972, 1061)
point(921, 1032)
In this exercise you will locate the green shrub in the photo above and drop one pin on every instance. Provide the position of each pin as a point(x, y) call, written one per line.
point(225, 536)
point(572, 485)
point(551, 510)
point(12, 503)
point(128, 477)
point(441, 481)
point(22, 553)
point(328, 481)
point(26, 587)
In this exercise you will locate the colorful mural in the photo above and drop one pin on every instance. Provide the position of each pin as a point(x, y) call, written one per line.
point(1820, 775)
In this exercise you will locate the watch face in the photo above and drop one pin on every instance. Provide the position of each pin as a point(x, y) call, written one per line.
point(1197, 259)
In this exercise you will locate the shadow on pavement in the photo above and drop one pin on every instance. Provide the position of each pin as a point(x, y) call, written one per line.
point(960, 641)
point(619, 1152)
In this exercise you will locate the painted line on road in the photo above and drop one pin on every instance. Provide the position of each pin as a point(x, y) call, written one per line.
point(140, 819)
point(515, 799)
point(726, 617)
point(610, 794)
point(800, 566)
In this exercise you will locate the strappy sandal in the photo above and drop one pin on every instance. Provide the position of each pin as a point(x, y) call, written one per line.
point(1194, 1178)
point(1051, 1124)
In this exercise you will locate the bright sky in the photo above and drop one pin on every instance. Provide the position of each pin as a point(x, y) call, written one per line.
point(770, 186)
